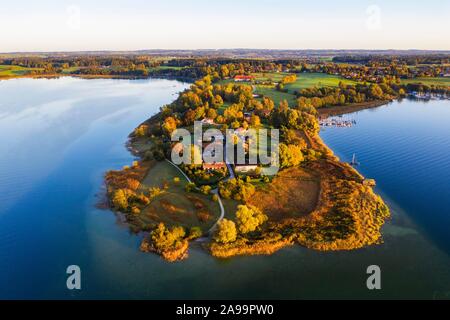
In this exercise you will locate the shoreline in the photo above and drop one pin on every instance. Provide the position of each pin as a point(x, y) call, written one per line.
point(346, 109)
point(94, 76)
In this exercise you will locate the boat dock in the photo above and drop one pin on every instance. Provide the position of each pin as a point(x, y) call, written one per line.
point(333, 122)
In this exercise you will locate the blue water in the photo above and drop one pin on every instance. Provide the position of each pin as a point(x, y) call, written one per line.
point(59, 136)
point(405, 146)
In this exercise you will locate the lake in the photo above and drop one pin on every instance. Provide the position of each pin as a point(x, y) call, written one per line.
point(59, 137)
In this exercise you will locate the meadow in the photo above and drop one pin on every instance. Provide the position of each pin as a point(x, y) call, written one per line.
point(14, 71)
point(441, 81)
point(304, 80)
point(174, 206)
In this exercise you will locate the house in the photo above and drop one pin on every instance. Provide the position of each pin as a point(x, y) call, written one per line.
point(244, 168)
point(242, 78)
point(247, 116)
point(214, 166)
point(207, 121)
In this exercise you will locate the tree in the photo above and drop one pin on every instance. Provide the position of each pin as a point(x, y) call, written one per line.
point(141, 131)
point(189, 117)
point(195, 232)
point(164, 238)
point(226, 231)
point(169, 125)
point(120, 200)
point(249, 218)
point(255, 121)
point(290, 155)
point(211, 114)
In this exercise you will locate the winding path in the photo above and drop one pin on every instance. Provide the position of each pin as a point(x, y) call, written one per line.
point(215, 191)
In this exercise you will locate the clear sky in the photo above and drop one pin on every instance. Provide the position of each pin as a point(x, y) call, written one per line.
point(198, 24)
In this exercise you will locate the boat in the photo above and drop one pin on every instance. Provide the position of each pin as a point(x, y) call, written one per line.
point(354, 161)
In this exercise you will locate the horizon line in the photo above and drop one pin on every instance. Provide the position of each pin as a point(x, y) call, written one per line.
point(221, 49)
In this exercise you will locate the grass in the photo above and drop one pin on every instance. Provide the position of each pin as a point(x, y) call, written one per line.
point(14, 71)
point(441, 81)
point(276, 95)
point(309, 80)
point(293, 193)
point(165, 68)
point(70, 70)
point(304, 80)
point(175, 206)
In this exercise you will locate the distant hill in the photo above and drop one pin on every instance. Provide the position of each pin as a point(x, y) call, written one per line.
point(235, 53)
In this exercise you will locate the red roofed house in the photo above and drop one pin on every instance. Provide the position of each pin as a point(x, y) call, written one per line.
point(242, 78)
point(214, 166)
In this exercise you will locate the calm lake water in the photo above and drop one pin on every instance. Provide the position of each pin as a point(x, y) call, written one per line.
point(59, 136)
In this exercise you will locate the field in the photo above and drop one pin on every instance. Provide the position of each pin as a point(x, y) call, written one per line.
point(70, 70)
point(293, 193)
point(429, 81)
point(304, 80)
point(175, 206)
point(308, 80)
point(275, 95)
point(14, 71)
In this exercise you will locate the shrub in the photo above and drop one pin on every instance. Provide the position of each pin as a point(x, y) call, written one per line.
point(205, 189)
point(226, 231)
point(194, 233)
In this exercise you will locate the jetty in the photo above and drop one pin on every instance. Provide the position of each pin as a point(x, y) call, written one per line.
point(333, 122)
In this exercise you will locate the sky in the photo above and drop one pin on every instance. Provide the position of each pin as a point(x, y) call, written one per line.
point(77, 25)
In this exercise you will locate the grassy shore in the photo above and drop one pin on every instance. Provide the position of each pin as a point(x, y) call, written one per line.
point(340, 110)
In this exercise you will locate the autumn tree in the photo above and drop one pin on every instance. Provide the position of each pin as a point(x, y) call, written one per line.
point(249, 218)
point(290, 155)
point(169, 125)
point(226, 231)
point(120, 200)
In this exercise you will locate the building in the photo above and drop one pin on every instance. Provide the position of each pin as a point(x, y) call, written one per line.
point(247, 116)
point(242, 78)
point(214, 166)
point(245, 168)
point(207, 121)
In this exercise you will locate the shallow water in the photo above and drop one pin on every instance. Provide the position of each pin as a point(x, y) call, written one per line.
point(59, 136)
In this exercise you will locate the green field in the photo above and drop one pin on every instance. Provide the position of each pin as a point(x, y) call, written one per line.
point(309, 80)
point(304, 80)
point(14, 71)
point(429, 81)
point(70, 70)
point(275, 95)
point(165, 68)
